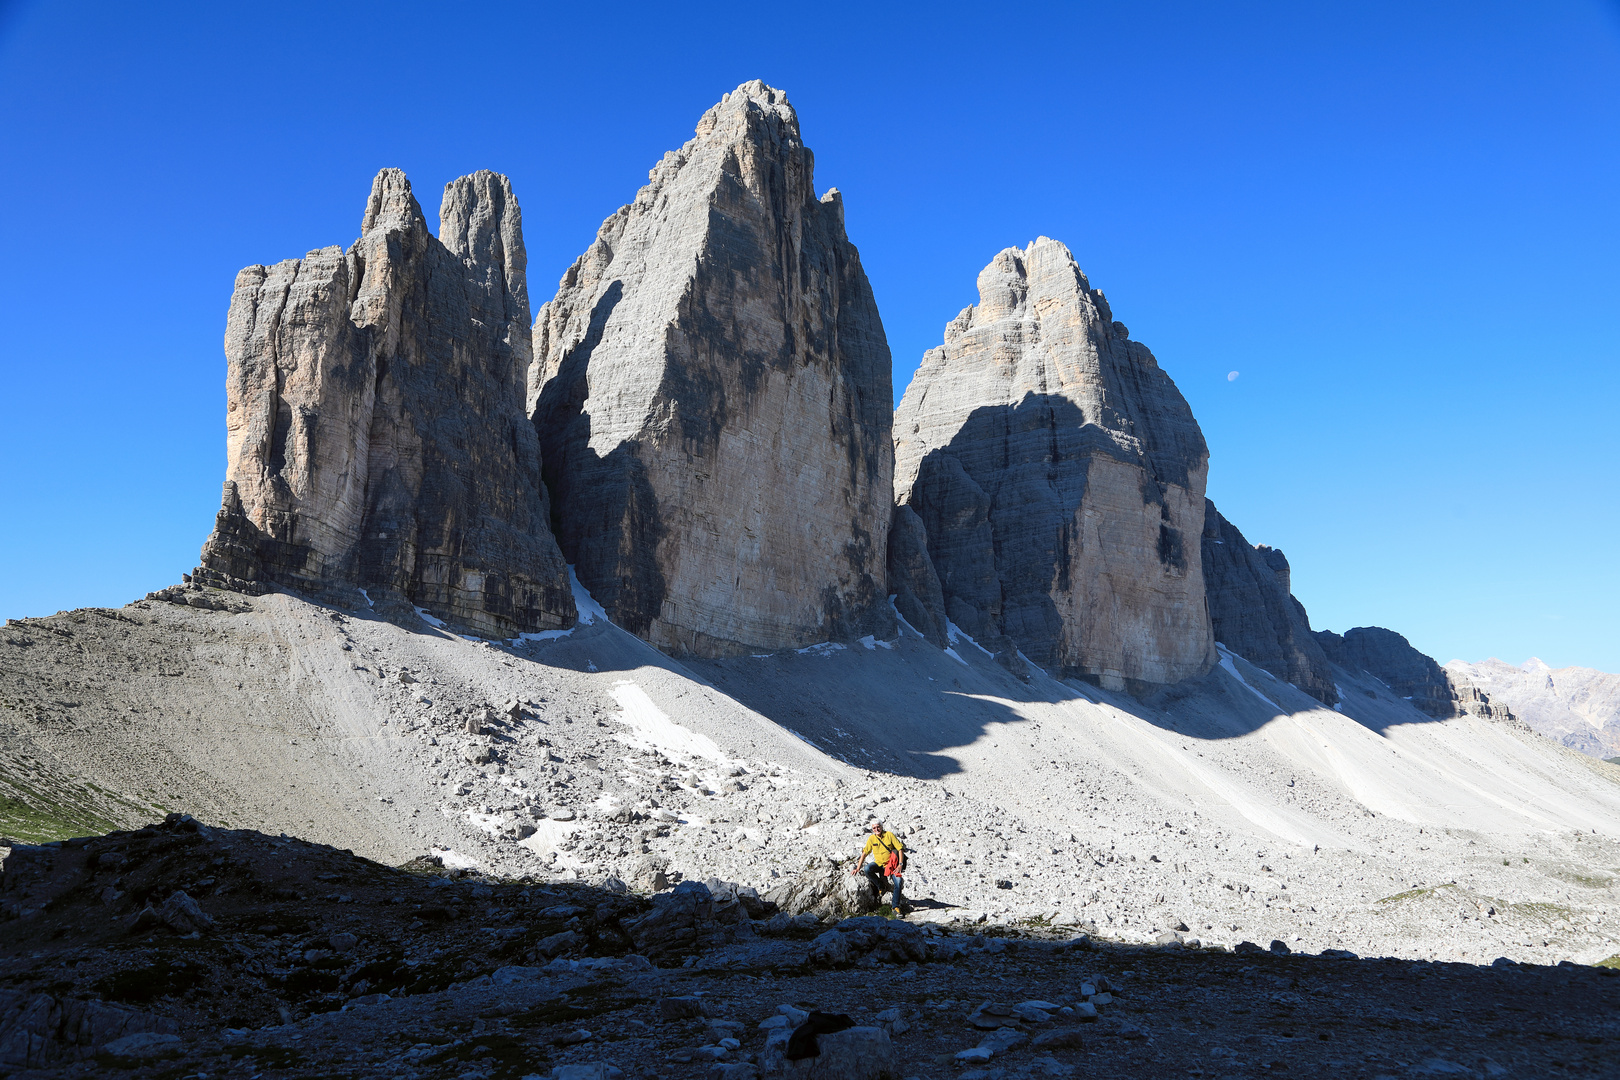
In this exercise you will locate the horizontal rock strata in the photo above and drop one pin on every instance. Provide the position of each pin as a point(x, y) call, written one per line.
point(713, 392)
point(1059, 475)
point(375, 421)
point(1253, 611)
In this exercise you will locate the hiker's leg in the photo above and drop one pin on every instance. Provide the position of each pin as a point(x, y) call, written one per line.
point(898, 881)
point(874, 878)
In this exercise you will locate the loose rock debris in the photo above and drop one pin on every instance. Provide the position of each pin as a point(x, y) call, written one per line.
point(181, 950)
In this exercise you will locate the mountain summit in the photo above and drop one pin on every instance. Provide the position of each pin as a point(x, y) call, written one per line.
point(374, 416)
point(713, 391)
point(1059, 474)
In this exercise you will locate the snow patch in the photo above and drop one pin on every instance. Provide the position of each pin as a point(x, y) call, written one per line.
point(955, 634)
point(589, 611)
point(872, 643)
point(1226, 662)
point(367, 597)
point(430, 620)
point(651, 727)
point(455, 860)
point(823, 648)
point(954, 655)
point(902, 618)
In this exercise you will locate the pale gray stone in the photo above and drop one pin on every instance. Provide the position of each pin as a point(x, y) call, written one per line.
point(375, 428)
point(1059, 474)
point(713, 391)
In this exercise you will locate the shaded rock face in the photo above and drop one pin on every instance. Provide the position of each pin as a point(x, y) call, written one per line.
point(713, 393)
point(375, 421)
point(1254, 613)
point(1409, 673)
point(913, 583)
point(1059, 475)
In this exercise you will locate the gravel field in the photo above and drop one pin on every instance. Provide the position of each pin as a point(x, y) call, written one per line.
point(1235, 805)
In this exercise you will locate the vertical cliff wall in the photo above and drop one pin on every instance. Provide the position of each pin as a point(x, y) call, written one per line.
point(1411, 674)
point(713, 393)
point(1059, 475)
point(375, 422)
point(1253, 611)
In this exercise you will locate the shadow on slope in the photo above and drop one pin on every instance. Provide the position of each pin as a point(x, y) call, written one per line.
point(904, 708)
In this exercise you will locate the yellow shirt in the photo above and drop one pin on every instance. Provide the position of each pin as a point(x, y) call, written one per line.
point(878, 848)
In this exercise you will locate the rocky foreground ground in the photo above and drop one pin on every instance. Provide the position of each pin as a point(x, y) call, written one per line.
point(180, 950)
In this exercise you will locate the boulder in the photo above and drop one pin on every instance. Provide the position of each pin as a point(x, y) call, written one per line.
point(1253, 611)
point(826, 889)
point(1059, 474)
point(857, 1053)
point(684, 918)
point(880, 940)
point(181, 914)
point(375, 429)
point(713, 393)
point(1003, 1039)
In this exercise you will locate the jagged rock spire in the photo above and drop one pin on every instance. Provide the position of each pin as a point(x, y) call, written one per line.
point(375, 420)
point(712, 389)
point(1059, 475)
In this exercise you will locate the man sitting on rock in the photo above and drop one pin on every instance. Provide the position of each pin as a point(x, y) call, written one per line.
point(884, 856)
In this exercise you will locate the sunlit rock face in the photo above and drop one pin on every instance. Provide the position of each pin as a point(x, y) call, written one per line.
point(1059, 475)
point(713, 394)
point(375, 426)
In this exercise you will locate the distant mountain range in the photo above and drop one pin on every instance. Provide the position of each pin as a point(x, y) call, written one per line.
point(1578, 706)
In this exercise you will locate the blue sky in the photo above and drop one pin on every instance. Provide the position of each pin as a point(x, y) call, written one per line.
point(1398, 222)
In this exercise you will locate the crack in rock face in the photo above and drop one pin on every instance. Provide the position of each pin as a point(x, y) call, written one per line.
point(1059, 475)
point(376, 435)
point(712, 388)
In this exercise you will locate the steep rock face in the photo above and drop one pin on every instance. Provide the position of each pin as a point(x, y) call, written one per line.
point(1578, 706)
point(376, 433)
point(1060, 477)
point(1409, 673)
point(1253, 610)
point(912, 580)
point(713, 393)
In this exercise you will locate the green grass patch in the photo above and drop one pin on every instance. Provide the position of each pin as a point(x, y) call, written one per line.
point(43, 807)
point(1587, 881)
point(1413, 894)
point(1541, 911)
point(1613, 961)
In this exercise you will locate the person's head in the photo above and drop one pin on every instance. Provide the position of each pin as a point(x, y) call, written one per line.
point(875, 827)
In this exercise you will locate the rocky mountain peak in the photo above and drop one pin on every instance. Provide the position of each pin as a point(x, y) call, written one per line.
point(376, 437)
point(1253, 610)
point(1058, 472)
point(391, 206)
point(712, 390)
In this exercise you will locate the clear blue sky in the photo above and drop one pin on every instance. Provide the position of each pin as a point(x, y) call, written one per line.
point(1398, 222)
